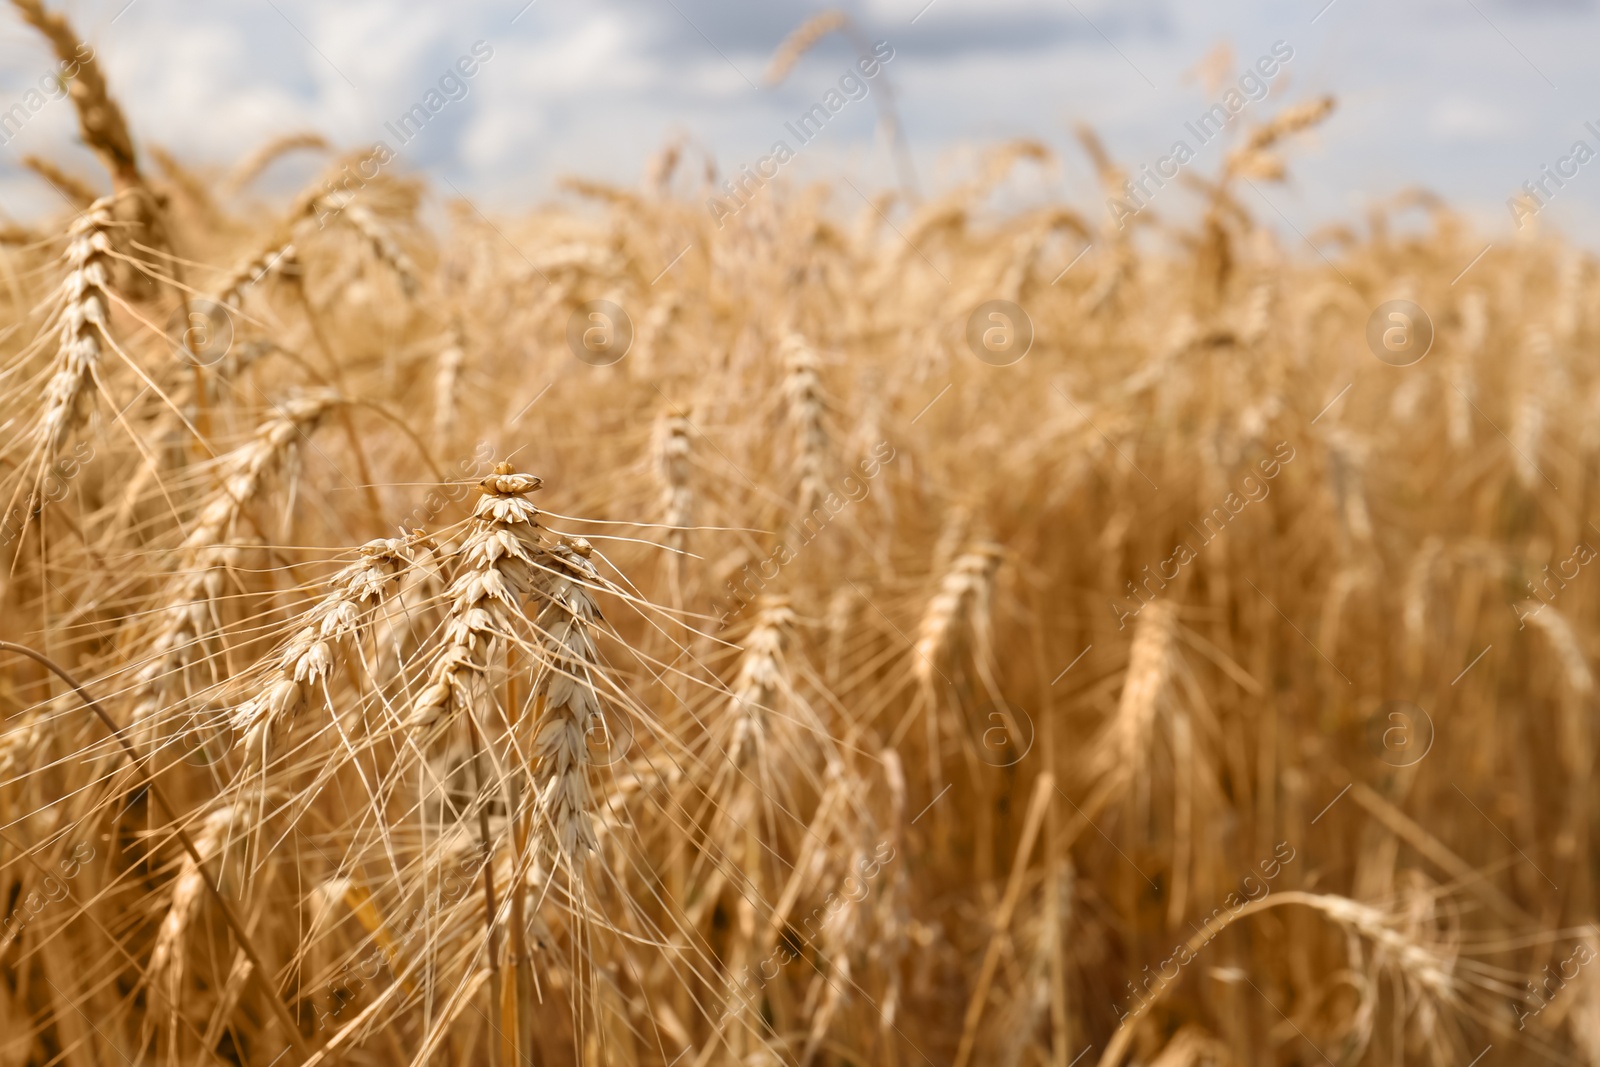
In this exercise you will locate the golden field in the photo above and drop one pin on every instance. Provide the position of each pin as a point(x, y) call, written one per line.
point(403, 664)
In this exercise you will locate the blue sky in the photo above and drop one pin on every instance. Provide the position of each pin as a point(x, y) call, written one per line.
point(1465, 97)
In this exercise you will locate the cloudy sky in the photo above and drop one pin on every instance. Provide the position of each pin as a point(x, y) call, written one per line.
point(1466, 97)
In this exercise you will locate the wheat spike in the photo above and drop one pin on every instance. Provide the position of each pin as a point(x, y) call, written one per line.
point(277, 259)
point(84, 327)
point(1152, 664)
point(672, 467)
point(497, 559)
point(100, 120)
point(75, 189)
point(963, 599)
point(761, 678)
point(166, 974)
point(1474, 312)
point(802, 40)
point(446, 383)
point(250, 167)
point(309, 654)
point(207, 554)
point(802, 386)
point(1526, 434)
point(571, 700)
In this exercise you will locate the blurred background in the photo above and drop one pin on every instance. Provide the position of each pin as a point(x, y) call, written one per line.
point(1467, 98)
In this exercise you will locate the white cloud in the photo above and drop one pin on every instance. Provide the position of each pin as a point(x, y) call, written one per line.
point(593, 86)
point(892, 11)
point(1459, 118)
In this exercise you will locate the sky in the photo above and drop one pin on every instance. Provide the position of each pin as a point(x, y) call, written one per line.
point(1467, 98)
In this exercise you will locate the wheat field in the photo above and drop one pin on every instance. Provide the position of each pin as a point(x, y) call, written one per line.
point(493, 640)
